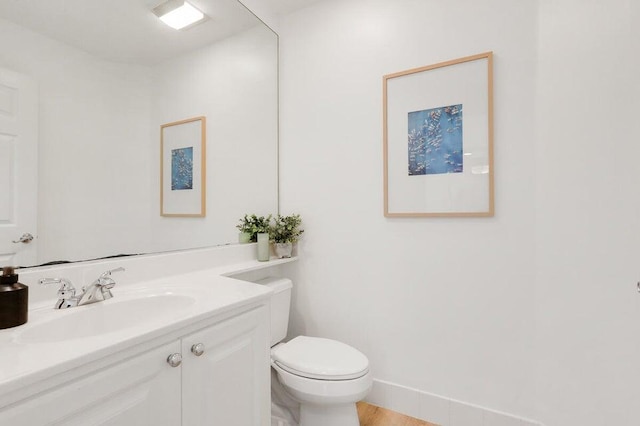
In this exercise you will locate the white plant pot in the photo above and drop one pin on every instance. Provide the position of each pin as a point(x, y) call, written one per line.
point(283, 250)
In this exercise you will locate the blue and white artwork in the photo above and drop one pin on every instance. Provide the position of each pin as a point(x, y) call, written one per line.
point(435, 141)
point(181, 169)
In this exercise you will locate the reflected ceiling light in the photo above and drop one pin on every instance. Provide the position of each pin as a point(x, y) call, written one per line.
point(179, 14)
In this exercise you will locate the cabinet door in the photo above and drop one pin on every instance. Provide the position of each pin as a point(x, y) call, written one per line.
point(228, 385)
point(141, 391)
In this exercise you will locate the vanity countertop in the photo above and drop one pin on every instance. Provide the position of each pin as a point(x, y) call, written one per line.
point(164, 308)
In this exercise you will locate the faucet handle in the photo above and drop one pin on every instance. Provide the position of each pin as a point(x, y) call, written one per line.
point(106, 280)
point(106, 283)
point(66, 290)
point(110, 271)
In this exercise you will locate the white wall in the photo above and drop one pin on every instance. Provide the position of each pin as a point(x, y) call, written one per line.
point(99, 126)
point(263, 10)
point(234, 84)
point(533, 312)
point(94, 144)
point(588, 213)
point(439, 305)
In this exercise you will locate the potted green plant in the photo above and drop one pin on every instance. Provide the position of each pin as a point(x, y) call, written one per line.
point(284, 232)
point(251, 225)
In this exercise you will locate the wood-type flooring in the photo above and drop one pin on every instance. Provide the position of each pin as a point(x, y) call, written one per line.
point(370, 415)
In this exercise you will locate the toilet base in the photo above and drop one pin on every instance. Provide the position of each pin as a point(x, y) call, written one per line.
point(324, 415)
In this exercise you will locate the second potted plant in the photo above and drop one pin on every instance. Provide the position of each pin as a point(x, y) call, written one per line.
point(251, 225)
point(284, 232)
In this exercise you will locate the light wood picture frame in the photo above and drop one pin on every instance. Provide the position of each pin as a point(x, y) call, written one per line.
point(183, 168)
point(438, 139)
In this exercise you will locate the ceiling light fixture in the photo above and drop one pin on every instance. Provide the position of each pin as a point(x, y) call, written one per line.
point(179, 14)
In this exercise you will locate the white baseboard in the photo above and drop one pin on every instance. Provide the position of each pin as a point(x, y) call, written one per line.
point(437, 409)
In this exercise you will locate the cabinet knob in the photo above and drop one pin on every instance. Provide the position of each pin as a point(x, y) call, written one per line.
point(175, 360)
point(197, 349)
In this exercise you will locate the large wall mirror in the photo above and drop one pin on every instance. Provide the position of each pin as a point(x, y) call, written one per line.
point(109, 74)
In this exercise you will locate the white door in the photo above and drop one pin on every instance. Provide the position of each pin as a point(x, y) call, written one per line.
point(18, 169)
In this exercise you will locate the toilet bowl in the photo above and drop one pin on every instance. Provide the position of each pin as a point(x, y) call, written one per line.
point(324, 377)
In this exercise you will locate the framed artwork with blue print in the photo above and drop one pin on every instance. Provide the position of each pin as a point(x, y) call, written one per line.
point(438, 139)
point(183, 168)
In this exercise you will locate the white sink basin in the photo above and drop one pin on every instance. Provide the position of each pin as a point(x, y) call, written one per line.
point(100, 318)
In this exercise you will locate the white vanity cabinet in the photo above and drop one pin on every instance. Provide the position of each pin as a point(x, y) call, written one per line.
point(141, 391)
point(225, 373)
point(223, 381)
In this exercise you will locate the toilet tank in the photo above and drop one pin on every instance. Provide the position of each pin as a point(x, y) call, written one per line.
point(280, 306)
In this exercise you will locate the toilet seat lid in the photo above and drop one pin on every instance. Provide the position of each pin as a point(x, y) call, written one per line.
point(319, 358)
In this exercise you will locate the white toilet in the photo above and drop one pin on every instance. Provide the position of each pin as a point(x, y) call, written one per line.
point(316, 381)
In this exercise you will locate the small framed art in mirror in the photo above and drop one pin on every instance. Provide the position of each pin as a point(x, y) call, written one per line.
point(183, 168)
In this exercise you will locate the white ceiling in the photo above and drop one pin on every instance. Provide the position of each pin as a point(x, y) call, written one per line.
point(282, 7)
point(127, 30)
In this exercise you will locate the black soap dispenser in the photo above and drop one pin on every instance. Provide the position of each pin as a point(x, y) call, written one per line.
point(14, 299)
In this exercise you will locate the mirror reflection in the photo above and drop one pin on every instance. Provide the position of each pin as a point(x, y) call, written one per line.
point(103, 77)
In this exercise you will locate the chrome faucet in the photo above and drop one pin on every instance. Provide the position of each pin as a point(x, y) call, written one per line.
point(98, 291)
point(66, 293)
